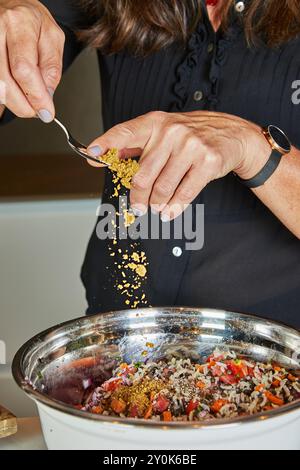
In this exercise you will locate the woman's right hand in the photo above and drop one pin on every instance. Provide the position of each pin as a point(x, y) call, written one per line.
point(31, 53)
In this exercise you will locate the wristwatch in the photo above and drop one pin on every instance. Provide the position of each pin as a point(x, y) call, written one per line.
point(280, 146)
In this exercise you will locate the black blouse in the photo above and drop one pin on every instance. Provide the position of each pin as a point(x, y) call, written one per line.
point(250, 262)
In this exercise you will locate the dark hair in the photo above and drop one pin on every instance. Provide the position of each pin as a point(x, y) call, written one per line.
point(145, 26)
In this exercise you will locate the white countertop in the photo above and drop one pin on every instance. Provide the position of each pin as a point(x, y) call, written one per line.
point(28, 437)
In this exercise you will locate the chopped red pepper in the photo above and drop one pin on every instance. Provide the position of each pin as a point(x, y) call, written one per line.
point(193, 405)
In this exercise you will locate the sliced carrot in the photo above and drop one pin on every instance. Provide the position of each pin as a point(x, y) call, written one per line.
point(200, 385)
point(259, 387)
point(277, 368)
point(97, 410)
point(273, 399)
point(216, 407)
point(167, 416)
point(148, 413)
point(118, 406)
point(276, 383)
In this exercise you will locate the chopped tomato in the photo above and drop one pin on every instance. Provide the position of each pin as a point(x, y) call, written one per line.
point(193, 405)
point(228, 379)
point(218, 405)
point(97, 410)
point(273, 399)
point(118, 406)
point(161, 404)
point(134, 411)
point(148, 413)
point(111, 385)
point(167, 416)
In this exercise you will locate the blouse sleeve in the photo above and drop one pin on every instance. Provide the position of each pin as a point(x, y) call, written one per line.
point(69, 17)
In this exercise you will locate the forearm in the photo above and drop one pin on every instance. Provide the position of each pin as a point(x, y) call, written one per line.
point(281, 193)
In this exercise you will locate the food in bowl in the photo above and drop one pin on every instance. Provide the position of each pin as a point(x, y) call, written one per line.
point(227, 385)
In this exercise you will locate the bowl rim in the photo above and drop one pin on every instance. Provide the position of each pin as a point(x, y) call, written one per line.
point(57, 405)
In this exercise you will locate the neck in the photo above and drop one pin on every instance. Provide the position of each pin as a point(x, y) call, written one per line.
point(215, 10)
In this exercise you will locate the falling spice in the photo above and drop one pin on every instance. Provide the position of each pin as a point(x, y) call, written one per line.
point(131, 264)
point(123, 169)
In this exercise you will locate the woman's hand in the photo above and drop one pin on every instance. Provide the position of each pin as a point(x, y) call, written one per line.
point(181, 153)
point(31, 52)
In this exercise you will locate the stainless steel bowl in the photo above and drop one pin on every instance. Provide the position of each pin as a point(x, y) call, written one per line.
point(52, 368)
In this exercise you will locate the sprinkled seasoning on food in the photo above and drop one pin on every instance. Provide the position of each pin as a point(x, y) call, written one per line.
point(225, 386)
point(131, 264)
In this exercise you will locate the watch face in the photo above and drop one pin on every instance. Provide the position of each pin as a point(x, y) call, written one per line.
point(280, 138)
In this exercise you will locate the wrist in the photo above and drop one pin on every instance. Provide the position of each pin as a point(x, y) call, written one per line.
point(256, 155)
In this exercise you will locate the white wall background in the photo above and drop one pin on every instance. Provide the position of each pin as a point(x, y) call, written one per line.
point(42, 245)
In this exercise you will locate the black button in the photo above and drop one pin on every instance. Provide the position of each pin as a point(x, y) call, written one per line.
point(198, 95)
point(210, 48)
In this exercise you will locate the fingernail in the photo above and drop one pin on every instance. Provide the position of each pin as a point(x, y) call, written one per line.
point(165, 218)
point(137, 212)
point(45, 116)
point(95, 151)
point(51, 92)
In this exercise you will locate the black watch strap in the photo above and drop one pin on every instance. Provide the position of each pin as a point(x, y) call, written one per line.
point(267, 171)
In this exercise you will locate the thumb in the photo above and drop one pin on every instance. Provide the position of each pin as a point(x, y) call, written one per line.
point(132, 134)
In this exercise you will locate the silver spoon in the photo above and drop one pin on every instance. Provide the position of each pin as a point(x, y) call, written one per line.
point(79, 148)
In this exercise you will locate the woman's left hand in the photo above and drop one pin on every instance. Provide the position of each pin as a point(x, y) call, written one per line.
point(181, 153)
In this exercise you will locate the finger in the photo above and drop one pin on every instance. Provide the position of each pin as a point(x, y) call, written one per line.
point(95, 164)
point(152, 161)
point(2, 109)
point(128, 135)
point(168, 180)
point(11, 95)
point(23, 61)
point(50, 50)
point(192, 184)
